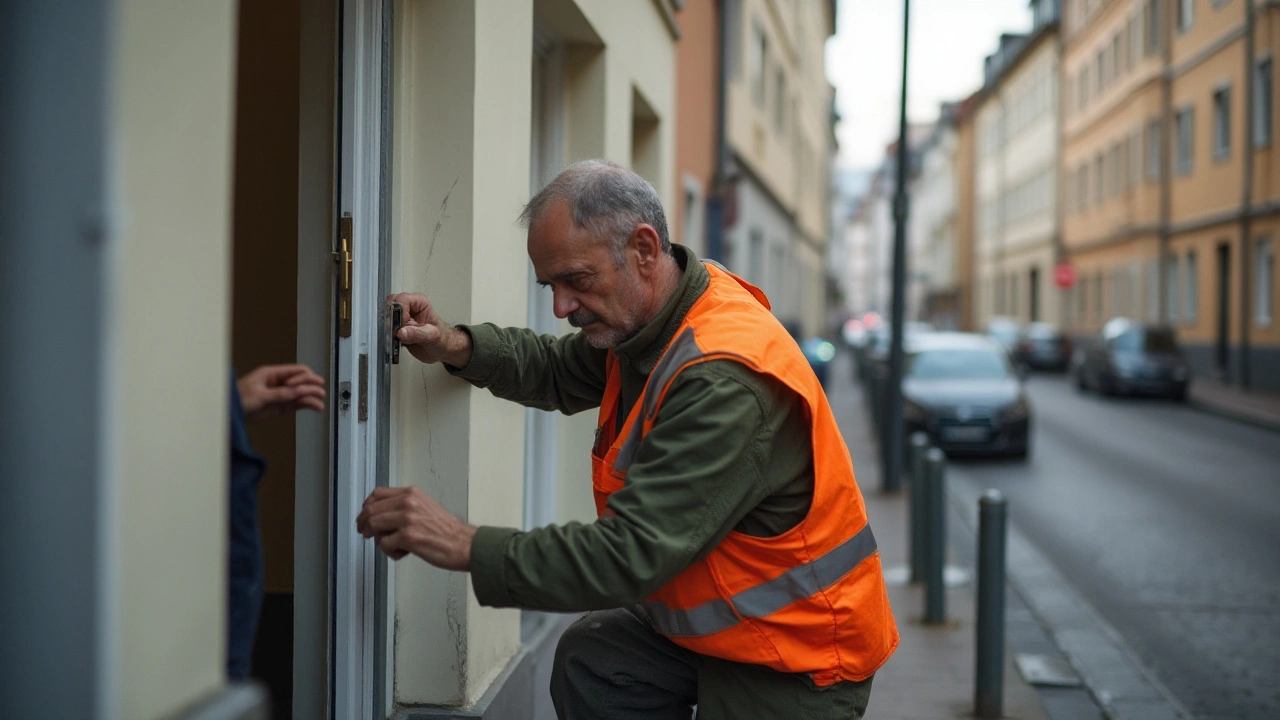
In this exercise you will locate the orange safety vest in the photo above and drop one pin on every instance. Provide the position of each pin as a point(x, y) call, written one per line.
point(811, 600)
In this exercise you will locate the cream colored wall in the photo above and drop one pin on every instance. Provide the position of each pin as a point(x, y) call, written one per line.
point(170, 135)
point(460, 176)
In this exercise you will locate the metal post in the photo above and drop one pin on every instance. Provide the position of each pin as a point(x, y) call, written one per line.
point(988, 693)
point(919, 446)
point(935, 601)
point(892, 436)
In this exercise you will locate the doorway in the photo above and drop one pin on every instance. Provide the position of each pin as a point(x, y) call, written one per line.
point(1034, 282)
point(1222, 350)
point(304, 109)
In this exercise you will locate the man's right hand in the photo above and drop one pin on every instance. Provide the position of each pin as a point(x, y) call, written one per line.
point(427, 337)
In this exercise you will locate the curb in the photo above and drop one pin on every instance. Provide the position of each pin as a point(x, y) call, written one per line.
point(1229, 414)
point(1115, 677)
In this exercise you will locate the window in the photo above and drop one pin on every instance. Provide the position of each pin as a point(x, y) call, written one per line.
point(1122, 167)
point(780, 100)
point(1193, 289)
point(1262, 103)
point(1264, 288)
point(759, 60)
point(1183, 129)
point(1115, 170)
point(1171, 282)
point(1097, 296)
point(1082, 185)
point(1135, 157)
point(1154, 145)
point(1099, 176)
point(1222, 123)
point(1099, 73)
point(1153, 26)
point(1186, 14)
point(1135, 39)
point(1117, 57)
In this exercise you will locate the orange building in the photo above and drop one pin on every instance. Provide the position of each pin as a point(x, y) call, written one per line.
point(1171, 187)
point(697, 122)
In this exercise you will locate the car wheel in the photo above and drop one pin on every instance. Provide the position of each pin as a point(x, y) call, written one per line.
point(1180, 396)
point(1080, 384)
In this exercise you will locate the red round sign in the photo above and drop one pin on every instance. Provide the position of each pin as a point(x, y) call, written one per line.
point(1064, 275)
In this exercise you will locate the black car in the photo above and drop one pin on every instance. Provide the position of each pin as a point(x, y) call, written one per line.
point(1042, 346)
point(961, 390)
point(1134, 359)
point(874, 356)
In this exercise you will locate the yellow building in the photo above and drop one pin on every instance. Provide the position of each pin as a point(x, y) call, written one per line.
point(1171, 187)
point(1015, 175)
point(778, 115)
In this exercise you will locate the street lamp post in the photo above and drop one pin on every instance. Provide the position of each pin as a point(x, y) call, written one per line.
point(893, 432)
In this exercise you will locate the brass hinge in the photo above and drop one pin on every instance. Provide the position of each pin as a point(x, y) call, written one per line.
point(343, 259)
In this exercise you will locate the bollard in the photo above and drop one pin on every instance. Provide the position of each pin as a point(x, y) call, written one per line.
point(935, 600)
point(919, 445)
point(993, 520)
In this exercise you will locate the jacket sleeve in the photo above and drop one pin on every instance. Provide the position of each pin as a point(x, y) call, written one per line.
point(540, 371)
point(697, 473)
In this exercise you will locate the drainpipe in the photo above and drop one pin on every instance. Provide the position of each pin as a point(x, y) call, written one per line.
point(1246, 202)
point(1166, 155)
point(720, 185)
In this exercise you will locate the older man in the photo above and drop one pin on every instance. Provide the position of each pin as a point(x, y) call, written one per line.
point(731, 565)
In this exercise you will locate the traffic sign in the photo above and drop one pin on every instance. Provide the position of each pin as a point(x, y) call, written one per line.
point(1064, 275)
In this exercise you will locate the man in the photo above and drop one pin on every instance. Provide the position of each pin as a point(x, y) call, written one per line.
point(731, 566)
point(265, 392)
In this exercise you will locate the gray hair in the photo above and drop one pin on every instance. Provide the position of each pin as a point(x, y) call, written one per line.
point(606, 199)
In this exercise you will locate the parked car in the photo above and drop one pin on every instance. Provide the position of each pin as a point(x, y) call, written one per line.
point(1042, 346)
point(1131, 358)
point(1004, 330)
point(876, 353)
point(961, 389)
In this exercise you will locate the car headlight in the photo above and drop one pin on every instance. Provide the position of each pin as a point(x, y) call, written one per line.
point(1015, 412)
point(825, 352)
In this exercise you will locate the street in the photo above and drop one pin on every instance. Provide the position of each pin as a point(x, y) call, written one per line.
point(1167, 520)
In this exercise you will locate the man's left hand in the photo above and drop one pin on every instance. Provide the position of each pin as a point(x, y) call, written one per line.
point(403, 520)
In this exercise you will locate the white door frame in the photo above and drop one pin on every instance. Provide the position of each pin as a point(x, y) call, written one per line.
point(361, 590)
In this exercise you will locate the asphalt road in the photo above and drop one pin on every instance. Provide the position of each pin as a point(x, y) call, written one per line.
point(1168, 521)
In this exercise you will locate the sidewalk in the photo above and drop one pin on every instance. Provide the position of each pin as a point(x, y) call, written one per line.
point(1250, 406)
point(930, 677)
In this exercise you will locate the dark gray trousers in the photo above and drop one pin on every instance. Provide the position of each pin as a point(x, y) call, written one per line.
point(612, 665)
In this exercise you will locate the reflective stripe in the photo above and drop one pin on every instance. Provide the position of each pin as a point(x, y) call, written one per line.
point(806, 580)
point(767, 598)
point(707, 618)
point(681, 351)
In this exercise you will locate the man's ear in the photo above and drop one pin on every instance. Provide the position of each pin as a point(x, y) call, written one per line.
point(647, 246)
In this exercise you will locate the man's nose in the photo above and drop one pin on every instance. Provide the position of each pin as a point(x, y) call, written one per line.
point(564, 303)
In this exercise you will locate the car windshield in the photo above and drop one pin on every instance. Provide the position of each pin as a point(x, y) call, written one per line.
point(1138, 340)
point(957, 364)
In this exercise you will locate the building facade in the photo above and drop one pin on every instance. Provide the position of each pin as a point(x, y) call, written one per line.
point(265, 173)
point(932, 246)
point(1017, 151)
point(1172, 187)
point(778, 107)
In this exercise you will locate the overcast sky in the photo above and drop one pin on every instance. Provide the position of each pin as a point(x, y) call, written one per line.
point(949, 39)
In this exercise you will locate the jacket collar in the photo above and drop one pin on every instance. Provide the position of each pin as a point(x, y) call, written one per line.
point(642, 351)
